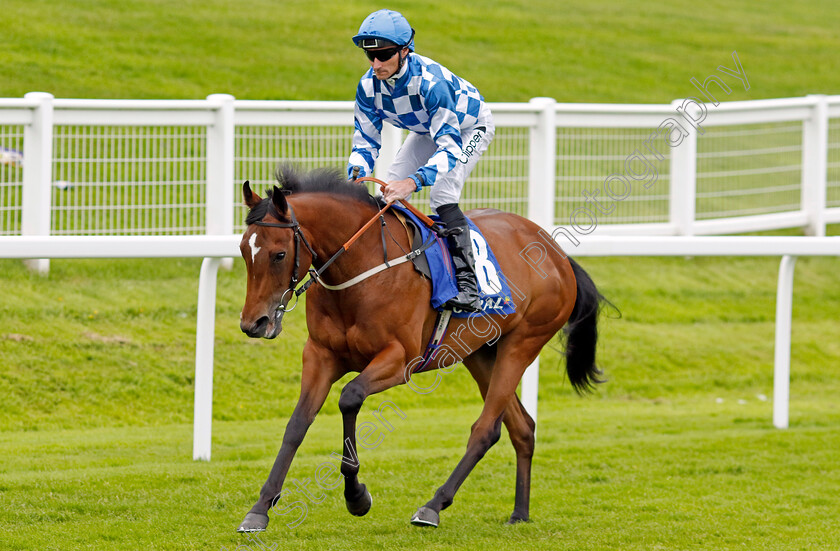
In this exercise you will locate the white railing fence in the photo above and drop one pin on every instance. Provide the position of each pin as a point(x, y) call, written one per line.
point(214, 247)
point(173, 167)
point(126, 178)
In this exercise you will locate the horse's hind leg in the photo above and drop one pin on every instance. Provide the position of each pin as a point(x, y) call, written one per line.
point(513, 356)
point(520, 427)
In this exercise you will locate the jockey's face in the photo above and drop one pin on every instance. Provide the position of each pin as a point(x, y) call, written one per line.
point(387, 69)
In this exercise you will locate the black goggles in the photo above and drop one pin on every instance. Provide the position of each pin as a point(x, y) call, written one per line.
point(382, 55)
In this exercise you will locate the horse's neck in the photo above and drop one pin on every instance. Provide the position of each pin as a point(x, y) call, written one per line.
point(328, 223)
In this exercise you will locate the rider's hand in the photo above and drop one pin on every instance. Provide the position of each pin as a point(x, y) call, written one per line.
point(399, 189)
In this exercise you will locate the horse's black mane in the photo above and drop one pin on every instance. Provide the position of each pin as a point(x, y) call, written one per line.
point(321, 180)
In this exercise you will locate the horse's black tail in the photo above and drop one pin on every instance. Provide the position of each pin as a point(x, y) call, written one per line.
point(582, 333)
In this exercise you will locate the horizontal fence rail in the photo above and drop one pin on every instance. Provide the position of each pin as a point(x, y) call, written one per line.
point(174, 167)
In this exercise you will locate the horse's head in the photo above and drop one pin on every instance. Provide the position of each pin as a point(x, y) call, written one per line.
point(272, 251)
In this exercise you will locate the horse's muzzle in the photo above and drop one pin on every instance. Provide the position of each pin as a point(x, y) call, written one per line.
point(264, 327)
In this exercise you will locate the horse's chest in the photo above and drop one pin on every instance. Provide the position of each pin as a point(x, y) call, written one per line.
point(354, 343)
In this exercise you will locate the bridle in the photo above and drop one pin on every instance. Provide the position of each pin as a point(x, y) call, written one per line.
point(315, 275)
point(299, 237)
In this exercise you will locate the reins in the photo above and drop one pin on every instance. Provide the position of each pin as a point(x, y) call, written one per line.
point(315, 275)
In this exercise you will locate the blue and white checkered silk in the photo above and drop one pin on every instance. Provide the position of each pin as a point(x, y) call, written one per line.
point(425, 97)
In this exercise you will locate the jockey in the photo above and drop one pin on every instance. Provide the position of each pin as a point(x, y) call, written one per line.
point(449, 125)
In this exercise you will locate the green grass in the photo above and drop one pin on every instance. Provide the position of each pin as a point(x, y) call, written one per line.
point(261, 49)
point(112, 342)
point(575, 52)
point(609, 474)
point(676, 451)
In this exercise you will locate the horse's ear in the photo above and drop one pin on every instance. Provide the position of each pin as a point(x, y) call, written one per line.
point(251, 199)
point(279, 200)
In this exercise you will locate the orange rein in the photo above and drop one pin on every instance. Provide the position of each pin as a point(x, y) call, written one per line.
point(364, 228)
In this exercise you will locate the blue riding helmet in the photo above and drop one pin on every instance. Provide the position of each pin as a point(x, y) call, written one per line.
point(384, 29)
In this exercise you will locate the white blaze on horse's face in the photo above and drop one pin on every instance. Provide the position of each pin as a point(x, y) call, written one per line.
point(252, 243)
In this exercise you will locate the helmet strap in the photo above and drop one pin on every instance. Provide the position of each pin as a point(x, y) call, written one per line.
point(406, 45)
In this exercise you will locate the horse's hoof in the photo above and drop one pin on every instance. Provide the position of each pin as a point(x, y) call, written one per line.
point(425, 517)
point(361, 506)
point(254, 522)
point(516, 519)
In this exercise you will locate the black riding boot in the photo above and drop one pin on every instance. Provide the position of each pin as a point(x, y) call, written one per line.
point(460, 247)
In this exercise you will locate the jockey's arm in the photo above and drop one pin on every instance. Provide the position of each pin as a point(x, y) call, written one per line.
point(367, 135)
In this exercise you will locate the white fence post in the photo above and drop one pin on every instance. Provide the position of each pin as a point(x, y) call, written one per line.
point(683, 191)
point(781, 367)
point(220, 169)
point(542, 162)
point(530, 389)
point(219, 221)
point(542, 177)
point(814, 166)
point(37, 174)
point(391, 142)
point(204, 337)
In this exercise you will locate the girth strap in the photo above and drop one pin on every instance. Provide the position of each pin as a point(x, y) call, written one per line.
point(441, 325)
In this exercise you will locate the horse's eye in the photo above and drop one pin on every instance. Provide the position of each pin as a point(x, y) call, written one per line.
point(279, 257)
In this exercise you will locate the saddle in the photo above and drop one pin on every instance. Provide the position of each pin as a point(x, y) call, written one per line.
point(435, 263)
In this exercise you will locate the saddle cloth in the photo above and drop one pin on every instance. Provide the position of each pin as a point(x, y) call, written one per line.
point(492, 284)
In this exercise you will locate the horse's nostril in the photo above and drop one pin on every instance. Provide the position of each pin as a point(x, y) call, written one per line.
point(257, 329)
point(261, 324)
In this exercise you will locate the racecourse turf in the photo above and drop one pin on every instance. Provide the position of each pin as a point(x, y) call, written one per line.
point(676, 451)
point(512, 50)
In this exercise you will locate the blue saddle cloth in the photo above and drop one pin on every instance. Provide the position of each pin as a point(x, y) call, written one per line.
point(492, 284)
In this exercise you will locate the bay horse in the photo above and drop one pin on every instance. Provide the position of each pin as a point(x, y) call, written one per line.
point(380, 325)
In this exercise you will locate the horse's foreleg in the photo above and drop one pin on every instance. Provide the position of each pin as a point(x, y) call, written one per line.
point(381, 374)
point(356, 494)
point(320, 371)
